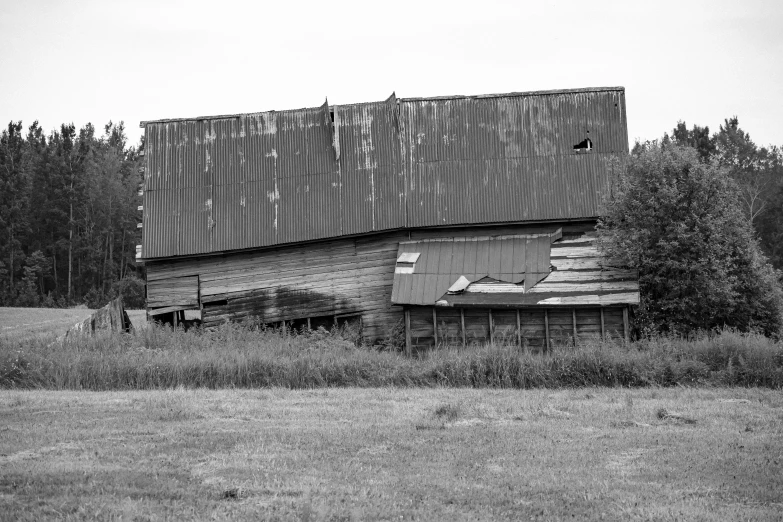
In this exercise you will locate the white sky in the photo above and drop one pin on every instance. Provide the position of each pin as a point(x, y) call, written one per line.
point(93, 61)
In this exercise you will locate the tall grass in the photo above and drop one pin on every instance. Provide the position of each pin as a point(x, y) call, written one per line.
point(242, 356)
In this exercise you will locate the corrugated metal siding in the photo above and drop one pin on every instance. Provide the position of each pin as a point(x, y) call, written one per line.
point(507, 159)
point(253, 180)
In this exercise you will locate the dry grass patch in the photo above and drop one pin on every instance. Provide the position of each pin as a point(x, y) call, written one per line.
point(343, 454)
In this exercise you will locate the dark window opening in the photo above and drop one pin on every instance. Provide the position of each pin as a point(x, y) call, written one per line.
point(331, 114)
point(586, 145)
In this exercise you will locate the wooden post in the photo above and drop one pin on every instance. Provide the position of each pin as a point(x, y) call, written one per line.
point(519, 330)
point(435, 326)
point(408, 332)
point(546, 328)
point(602, 325)
point(176, 317)
point(462, 323)
point(308, 324)
point(491, 328)
point(625, 323)
point(573, 317)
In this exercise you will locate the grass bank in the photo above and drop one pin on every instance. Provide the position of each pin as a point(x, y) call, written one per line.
point(242, 357)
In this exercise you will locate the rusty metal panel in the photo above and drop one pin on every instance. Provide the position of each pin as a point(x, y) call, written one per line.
point(370, 167)
point(228, 215)
point(514, 159)
point(225, 146)
point(160, 225)
point(292, 176)
point(262, 209)
point(308, 182)
point(195, 209)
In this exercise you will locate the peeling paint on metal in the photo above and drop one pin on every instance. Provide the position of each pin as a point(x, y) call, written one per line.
point(400, 163)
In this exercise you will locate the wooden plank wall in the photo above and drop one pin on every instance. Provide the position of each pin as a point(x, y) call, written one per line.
point(316, 279)
point(533, 324)
point(173, 291)
point(311, 280)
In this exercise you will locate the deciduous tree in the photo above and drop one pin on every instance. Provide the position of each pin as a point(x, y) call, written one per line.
point(679, 221)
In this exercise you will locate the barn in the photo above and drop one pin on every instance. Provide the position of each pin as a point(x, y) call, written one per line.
point(460, 219)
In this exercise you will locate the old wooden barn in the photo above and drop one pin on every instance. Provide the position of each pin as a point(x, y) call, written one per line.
point(469, 219)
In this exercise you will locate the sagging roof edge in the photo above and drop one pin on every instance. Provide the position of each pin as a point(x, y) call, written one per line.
point(532, 224)
point(143, 123)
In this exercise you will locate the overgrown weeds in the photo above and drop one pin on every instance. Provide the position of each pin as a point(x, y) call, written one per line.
point(246, 356)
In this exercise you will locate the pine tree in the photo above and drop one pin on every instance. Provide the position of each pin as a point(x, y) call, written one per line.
point(14, 197)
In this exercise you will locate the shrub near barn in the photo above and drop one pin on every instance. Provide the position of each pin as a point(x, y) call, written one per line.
point(678, 220)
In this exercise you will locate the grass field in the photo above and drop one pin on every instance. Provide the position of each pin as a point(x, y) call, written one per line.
point(312, 427)
point(392, 454)
point(24, 323)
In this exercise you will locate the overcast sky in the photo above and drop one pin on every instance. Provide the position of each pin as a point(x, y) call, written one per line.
point(92, 61)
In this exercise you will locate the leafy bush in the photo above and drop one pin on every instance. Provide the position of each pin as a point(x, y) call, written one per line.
point(678, 221)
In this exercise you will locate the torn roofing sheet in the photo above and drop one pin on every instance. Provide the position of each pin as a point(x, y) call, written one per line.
point(441, 263)
point(579, 278)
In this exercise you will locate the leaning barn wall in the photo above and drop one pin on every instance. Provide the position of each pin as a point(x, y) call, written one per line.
point(337, 277)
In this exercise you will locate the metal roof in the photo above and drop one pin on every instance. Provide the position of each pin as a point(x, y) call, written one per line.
point(235, 182)
point(443, 262)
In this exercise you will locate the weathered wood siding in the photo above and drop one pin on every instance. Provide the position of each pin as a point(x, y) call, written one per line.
point(316, 279)
point(313, 280)
point(484, 325)
point(173, 291)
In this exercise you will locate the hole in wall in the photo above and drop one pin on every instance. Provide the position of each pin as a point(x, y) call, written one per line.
point(586, 145)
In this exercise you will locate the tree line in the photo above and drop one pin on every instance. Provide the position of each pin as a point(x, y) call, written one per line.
point(68, 216)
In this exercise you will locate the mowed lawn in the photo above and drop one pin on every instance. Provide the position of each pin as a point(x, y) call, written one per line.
point(392, 454)
point(21, 323)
